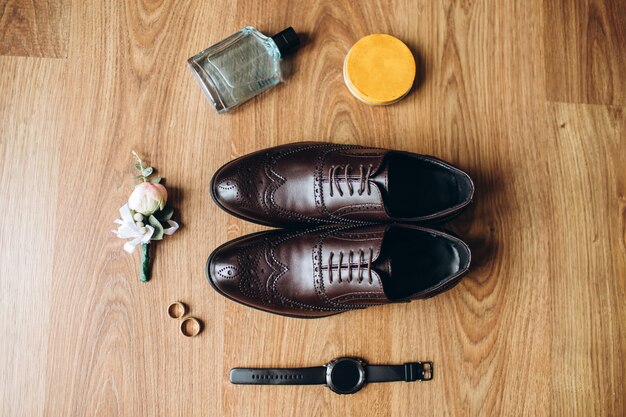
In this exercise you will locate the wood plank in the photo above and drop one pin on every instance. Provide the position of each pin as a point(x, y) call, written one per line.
point(118, 351)
point(485, 119)
point(37, 28)
point(585, 42)
point(29, 161)
point(473, 110)
point(588, 260)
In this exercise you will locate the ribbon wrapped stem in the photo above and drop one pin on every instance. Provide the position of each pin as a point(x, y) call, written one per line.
point(145, 262)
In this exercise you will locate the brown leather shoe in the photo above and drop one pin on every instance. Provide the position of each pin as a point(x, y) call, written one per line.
point(325, 271)
point(313, 183)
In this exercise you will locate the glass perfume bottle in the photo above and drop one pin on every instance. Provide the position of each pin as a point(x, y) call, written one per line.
point(242, 66)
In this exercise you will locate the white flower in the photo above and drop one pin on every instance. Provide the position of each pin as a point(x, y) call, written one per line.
point(129, 230)
point(173, 227)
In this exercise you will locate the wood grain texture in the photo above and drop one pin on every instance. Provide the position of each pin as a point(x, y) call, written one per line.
point(29, 162)
point(37, 28)
point(584, 331)
point(585, 51)
point(536, 328)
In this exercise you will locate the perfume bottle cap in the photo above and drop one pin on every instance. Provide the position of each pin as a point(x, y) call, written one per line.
point(287, 41)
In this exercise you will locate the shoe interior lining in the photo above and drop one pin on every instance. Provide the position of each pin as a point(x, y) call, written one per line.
point(417, 187)
point(419, 261)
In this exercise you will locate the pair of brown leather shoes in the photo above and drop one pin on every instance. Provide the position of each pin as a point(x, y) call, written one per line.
point(366, 248)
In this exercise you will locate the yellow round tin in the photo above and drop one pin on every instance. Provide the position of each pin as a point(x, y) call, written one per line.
point(379, 69)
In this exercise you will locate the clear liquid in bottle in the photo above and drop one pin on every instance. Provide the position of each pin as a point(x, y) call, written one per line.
point(242, 66)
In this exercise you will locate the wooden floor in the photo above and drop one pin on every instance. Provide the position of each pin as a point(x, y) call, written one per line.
point(528, 96)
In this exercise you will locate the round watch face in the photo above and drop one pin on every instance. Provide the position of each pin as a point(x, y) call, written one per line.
point(345, 375)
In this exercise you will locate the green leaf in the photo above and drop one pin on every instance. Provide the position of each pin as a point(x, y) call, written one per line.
point(156, 180)
point(138, 166)
point(158, 228)
point(147, 172)
point(165, 214)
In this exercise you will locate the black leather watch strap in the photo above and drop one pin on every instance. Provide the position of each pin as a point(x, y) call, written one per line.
point(283, 376)
point(414, 371)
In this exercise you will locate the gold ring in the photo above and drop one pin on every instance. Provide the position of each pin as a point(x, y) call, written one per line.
point(190, 327)
point(177, 310)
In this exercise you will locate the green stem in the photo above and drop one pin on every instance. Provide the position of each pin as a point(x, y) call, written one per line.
point(145, 263)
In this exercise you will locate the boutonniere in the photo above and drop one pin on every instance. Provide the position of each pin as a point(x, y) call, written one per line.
point(146, 217)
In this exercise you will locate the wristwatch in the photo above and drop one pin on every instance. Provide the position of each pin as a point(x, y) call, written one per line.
point(342, 375)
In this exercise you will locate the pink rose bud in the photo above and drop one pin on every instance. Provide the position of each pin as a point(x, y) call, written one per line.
point(147, 198)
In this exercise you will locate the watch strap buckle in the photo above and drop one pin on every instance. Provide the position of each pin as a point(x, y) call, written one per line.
point(418, 371)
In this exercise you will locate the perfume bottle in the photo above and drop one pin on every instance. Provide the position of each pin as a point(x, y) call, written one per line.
point(242, 66)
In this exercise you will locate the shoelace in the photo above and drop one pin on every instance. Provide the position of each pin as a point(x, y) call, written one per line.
point(359, 269)
point(364, 177)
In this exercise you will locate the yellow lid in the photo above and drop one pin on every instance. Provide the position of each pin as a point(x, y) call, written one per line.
point(379, 69)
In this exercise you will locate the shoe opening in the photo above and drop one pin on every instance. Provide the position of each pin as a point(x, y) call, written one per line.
point(418, 187)
point(419, 261)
